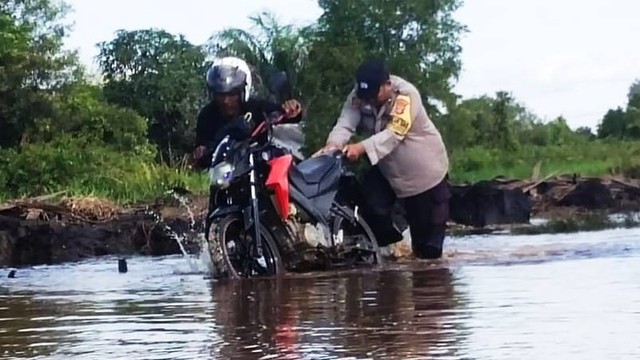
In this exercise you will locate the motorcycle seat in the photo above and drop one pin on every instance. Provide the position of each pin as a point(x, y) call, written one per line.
point(315, 175)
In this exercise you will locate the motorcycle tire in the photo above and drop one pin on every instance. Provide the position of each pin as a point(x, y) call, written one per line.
point(220, 252)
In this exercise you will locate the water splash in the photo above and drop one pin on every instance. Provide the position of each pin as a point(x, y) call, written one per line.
point(199, 262)
point(184, 202)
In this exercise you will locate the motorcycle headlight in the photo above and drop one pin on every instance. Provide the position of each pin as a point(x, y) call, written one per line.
point(221, 175)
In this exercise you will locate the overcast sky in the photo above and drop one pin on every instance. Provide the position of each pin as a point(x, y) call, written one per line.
point(574, 58)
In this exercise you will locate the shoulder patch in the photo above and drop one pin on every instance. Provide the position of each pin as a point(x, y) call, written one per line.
point(400, 116)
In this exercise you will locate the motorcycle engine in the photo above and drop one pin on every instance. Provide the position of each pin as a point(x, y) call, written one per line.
point(308, 233)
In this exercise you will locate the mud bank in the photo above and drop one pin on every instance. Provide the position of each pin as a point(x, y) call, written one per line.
point(38, 233)
point(503, 201)
point(44, 231)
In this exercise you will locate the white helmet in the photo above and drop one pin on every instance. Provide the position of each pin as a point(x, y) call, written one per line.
point(229, 74)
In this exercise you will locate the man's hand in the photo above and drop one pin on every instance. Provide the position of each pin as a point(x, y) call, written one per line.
point(353, 151)
point(292, 108)
point(328, 147)
point(198, 153)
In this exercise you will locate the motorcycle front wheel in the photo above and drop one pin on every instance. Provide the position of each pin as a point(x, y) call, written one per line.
point(233, 245)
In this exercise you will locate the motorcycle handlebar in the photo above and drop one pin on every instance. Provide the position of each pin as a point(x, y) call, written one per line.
point(335, 152)
point(270, 120)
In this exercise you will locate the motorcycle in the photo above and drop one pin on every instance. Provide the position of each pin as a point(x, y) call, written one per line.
point(269, 215)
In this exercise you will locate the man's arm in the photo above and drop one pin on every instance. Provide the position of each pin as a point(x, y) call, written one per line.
point(268, 107)
point(401, 119)
point(347, 123)
point(201, 130)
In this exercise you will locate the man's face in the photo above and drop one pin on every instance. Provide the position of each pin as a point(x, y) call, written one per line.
point(385, 92)
point(229, 103)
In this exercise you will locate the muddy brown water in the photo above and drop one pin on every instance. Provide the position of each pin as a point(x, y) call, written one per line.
point(493, 297)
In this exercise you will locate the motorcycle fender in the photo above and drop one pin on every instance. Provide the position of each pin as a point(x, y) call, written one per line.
point(227, 210)
point(278, 180)
point(223, 211)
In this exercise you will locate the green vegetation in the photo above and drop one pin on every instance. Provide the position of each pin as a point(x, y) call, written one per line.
point(587, 158)
point(60, 132)
point(589, 221)
point(129, 137)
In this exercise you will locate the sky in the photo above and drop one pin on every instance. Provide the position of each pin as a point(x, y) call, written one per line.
point(573, 58)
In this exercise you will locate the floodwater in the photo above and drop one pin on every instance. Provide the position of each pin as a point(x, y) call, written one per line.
point(493, 297)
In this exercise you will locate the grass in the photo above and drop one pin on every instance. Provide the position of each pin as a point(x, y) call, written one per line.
point(145, 184)
point(150, 182)
point(588, 221)
point(97, 171)
point(129, 178)
point(595, 158)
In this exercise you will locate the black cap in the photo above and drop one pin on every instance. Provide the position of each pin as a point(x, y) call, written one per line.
point(371, 74)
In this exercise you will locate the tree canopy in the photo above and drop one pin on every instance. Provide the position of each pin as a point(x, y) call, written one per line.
point(60, 129)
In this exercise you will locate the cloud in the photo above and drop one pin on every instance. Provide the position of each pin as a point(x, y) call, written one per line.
point(568, 57)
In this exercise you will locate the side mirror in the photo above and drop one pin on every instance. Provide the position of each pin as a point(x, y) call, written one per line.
point(279, 85)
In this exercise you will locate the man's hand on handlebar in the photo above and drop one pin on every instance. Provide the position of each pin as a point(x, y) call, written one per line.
point(292, 108)
point(354, 151)
point(202, 155)
point(199, 153)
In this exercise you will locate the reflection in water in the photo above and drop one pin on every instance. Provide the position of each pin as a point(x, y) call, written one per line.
point(569, 297)
point(385, 314)
point(89, 311)
point(24, 332)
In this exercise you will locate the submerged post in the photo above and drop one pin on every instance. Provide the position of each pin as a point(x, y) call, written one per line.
point(122, 265)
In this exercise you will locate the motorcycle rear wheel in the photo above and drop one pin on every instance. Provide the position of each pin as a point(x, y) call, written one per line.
point(365, 256)
point(236, 260)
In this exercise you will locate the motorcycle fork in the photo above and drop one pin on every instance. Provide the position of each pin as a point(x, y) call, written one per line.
point(256, 245)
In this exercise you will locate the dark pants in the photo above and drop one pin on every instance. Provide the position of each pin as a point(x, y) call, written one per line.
point(426, 213)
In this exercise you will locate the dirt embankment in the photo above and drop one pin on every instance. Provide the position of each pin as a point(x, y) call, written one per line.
point(49, 230)
point(41, 231)
point(502, 201)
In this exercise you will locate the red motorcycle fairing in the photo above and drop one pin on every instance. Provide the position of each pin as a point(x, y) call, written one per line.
point(278, 180)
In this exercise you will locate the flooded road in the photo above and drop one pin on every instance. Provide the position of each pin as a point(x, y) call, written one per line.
point(493, 297)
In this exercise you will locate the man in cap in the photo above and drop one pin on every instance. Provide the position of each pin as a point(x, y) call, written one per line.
point(408, 157)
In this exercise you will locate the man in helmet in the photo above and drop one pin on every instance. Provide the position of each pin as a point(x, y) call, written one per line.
point(229, 83)
point(408, 155)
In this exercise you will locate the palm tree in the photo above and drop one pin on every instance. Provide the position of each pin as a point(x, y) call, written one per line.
point(271, 47)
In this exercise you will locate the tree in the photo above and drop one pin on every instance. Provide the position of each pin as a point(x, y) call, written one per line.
point(161, 77)
point(33, 64)
point(270, 47)
point(82, 109)
point(614, 124)
point(483, 121)
point(419, 39)
point(585, 131)
point(457, 127)
point(559, 132)
point(504, 116)
point(634, 95)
